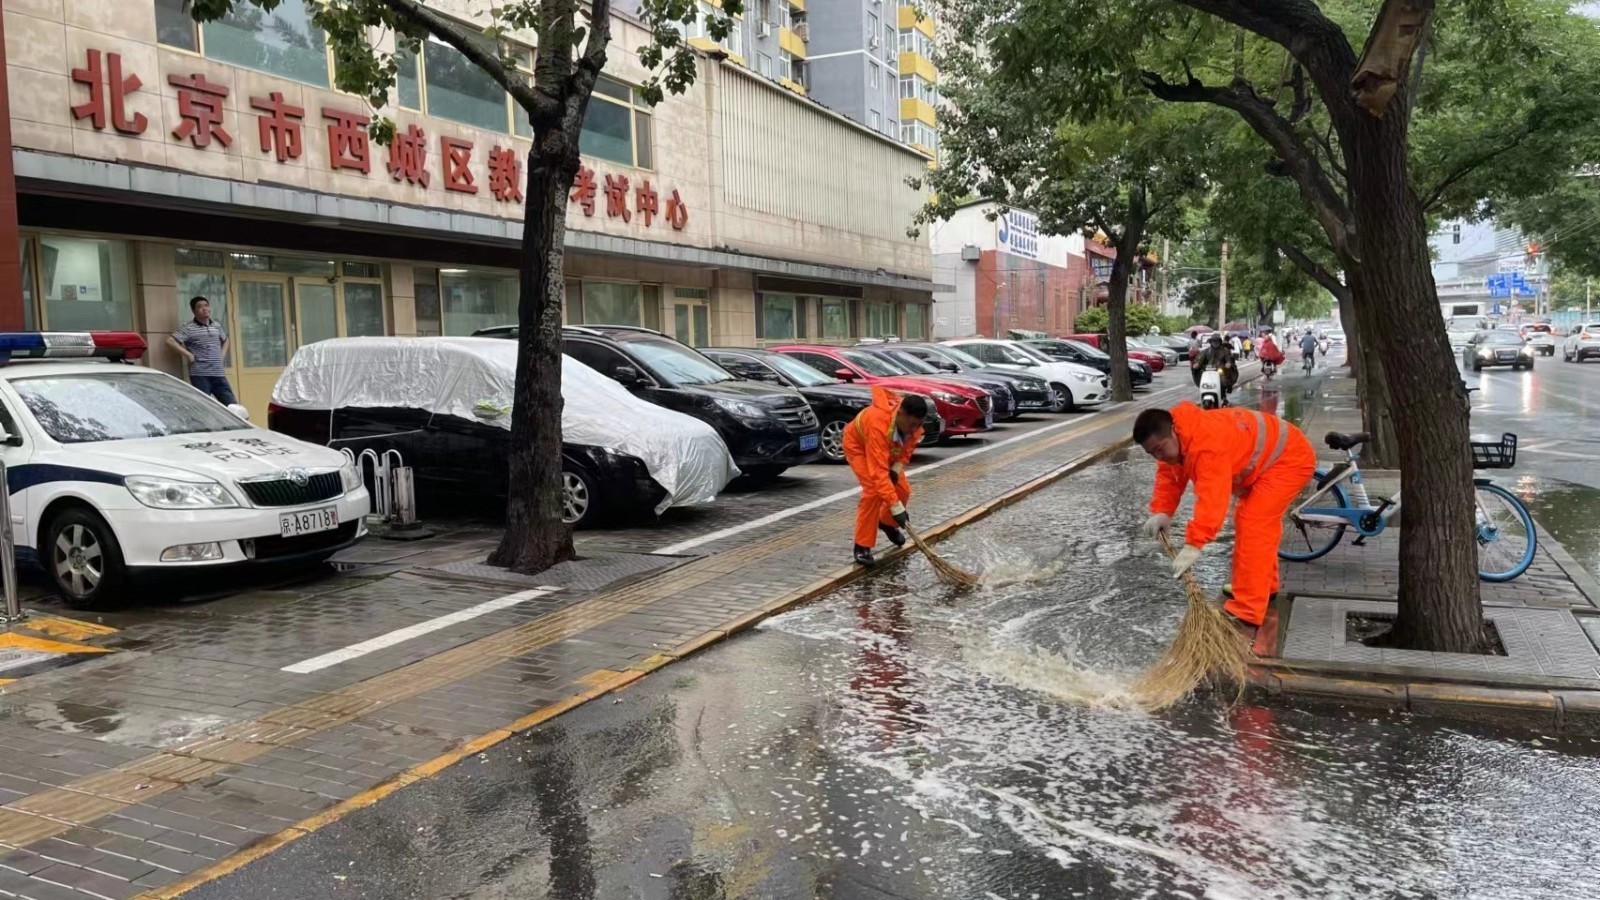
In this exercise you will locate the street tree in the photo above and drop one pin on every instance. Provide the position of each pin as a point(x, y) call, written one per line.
point(571, 40)
point(1128, 176)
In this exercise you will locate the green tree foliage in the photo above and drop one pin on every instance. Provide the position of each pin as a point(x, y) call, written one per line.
point(572, 39)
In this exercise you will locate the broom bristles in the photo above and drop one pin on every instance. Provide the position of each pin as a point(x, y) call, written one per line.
point(947, 572)
point(1206, 646)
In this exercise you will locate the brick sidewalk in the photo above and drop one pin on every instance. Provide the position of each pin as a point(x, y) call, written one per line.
point(129, 773)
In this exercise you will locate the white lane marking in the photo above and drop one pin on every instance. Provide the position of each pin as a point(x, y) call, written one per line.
point(685, 546)
point(399, 636)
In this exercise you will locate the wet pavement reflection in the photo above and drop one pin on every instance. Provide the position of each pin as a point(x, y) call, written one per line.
point(902, 739)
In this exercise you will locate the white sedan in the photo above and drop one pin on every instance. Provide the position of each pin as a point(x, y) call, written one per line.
point(119, 470)
point(1074, 385)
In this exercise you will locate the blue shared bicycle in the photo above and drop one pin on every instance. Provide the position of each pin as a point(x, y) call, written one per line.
point(1336, 502)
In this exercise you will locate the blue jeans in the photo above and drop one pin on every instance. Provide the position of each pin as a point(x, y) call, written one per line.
point(214, 385)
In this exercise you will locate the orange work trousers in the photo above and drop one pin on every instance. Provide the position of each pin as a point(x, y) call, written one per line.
point(872, 511)
point(1258, 528)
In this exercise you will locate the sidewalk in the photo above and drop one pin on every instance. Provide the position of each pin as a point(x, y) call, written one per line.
point(189, 751)
point(1550, 674)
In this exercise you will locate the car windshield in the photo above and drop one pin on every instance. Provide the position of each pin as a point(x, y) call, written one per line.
point(1500, 337)
point(1088, 350)
point(120, 406)
point(872, 364)
point(1029, 353)
point(797, 371)
point(959, 355)
point(911, 363)
point(678, 364)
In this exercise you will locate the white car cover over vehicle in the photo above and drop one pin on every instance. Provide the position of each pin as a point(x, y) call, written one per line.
point(474, 378)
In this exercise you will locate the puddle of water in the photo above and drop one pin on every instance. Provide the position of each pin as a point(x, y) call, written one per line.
point(1570, 512)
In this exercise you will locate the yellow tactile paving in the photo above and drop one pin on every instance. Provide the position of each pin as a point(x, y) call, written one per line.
point(17, 641)
point(65, 628)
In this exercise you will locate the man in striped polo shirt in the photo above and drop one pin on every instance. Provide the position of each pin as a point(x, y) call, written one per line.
point(201, 341)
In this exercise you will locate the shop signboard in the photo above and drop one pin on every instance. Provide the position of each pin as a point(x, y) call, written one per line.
point(1017, 233)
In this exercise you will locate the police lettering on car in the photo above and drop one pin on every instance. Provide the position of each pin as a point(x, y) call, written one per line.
point(120, 471)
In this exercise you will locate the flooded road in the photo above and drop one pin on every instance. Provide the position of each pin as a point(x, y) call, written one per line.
point(902, 739)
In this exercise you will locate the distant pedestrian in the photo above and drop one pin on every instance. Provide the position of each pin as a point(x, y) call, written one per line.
point(1197, 363)
point(202, 342)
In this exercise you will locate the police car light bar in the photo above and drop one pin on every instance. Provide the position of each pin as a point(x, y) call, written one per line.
point(70, 344)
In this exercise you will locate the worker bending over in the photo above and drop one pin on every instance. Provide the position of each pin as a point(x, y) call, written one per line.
point(1259, 458)
point(878, 444)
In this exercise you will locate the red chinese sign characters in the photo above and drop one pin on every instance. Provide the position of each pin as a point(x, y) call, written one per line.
point(280, 128)
point(108, 94)
point(200, 106)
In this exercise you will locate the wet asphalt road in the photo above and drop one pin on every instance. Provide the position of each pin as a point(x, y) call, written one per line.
point(900, 740)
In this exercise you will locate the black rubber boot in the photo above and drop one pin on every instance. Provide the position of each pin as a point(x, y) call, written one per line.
point(895, 535)
point(864, 557)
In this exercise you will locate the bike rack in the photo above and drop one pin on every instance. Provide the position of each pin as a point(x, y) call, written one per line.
point(393, 495)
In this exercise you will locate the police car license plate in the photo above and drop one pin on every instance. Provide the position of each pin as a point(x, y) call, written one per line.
point(808, 442)
point(308, 522)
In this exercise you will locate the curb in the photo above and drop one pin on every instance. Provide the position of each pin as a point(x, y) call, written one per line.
point(1563, 710)
point(607, 681)
point(1574, 570)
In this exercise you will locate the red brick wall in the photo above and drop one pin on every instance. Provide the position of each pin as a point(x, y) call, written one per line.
point(1027, 294)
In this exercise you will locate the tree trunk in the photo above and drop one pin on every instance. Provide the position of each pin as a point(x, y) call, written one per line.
point(1127, 243)
point(1372, 389)
point(535, 537)
point(1397, 311)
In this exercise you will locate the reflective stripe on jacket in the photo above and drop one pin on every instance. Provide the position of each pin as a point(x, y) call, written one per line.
point(1224, 452)
point(870, 437)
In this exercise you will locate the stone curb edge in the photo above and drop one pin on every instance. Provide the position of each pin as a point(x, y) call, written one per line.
point(1574, 570)
point(613, 681)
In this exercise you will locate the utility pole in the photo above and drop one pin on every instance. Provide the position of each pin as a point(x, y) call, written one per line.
point(1166, 260)
point(1588, 298)
point(1222, 290)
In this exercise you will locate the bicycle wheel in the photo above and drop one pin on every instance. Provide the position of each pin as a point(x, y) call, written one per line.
point(1506, 537)
point(1306, 541)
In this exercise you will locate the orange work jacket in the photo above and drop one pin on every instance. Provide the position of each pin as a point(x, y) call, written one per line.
point(1224, 452)
point(870, 438)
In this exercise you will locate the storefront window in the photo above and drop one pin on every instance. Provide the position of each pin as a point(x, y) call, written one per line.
point(916, 322)
point(27, 284)
point(611, 303)
point(262, 327)
point(363, 309)
point(214, 287)
point(780, 318)
point(282, 42)
point(835, 320)
point(471, 300)
point(880, 320)
point(85, 284)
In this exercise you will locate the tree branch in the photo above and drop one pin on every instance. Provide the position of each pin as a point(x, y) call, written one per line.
point(1297, 25)
point(1299, 162)
point(419, 16)
point(1473, 164)
point(1398, 29)
point(1317, 271)
point(1325, 141)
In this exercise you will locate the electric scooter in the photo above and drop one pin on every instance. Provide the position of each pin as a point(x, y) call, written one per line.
point(1211, 389)
point(1268, 369)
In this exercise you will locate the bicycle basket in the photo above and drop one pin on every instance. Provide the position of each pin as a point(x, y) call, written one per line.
point(1501, 454)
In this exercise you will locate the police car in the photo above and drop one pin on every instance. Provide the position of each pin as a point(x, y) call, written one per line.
point(120, 470)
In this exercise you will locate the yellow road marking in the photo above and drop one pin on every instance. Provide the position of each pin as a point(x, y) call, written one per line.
point(65, 628)
point(43, 645)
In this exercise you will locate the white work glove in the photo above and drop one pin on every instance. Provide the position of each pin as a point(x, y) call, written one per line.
point(1157, 524)
point(1184, 559)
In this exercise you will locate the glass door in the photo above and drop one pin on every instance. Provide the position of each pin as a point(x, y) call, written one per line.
point(260, 333)
point(691, 323)
point(316, 311)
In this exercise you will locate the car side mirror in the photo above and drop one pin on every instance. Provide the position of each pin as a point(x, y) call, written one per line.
point(946, 365)
point(844, 374)
point(239, 410)
point(11, 440)
point(627, 376)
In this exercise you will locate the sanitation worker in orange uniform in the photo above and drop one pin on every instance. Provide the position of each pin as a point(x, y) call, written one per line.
point(877, 445)
point(1256, 457)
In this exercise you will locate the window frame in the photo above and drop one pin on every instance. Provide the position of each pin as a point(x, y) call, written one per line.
point(199, 33)
point(636, 108)
point(420, 63)
point(36, 311)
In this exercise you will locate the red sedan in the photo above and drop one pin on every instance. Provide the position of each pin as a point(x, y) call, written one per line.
point(965, 409)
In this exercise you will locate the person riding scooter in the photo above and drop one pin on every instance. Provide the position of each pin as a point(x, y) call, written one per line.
point(1271, 356)
point(1220, 357)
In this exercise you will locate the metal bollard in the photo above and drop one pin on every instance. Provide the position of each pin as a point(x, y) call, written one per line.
point(8, 554)
point(405, 501)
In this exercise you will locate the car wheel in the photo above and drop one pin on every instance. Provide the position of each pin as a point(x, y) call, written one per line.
point(1063, 399)
point(579, 504)
point(832, 440)
point(84, 560)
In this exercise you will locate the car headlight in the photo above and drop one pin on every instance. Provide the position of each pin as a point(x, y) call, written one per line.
point(349, 478)
point(169, 493)
point(1086, 379)
point(947, 397)
point(856, 402)
point(1485, 352)
point(743, 409)
point(1527, 350)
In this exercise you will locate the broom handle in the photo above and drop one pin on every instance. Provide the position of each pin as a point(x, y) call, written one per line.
point(1188, 575)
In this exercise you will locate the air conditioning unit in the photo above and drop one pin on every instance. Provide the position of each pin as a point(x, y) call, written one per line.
point(763, 28)
point(802, 31)
point(874, 43)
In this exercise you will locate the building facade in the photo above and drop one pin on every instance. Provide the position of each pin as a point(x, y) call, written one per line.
point(1484, 270)
point(1001, 275)
point(157, 161)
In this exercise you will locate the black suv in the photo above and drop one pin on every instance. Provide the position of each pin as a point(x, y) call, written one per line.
point(767, 428)
point(835, 404)
point(1093, 357)
point(1030, 393)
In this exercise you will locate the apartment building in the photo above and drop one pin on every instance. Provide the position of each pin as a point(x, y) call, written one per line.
point(157, 160)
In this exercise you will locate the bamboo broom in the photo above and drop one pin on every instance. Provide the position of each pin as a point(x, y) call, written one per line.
point(947, 572)
point(1207, 645)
